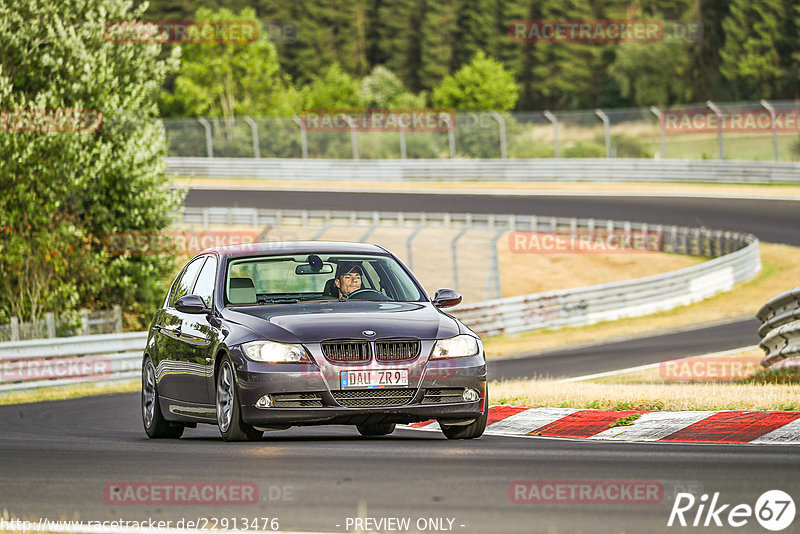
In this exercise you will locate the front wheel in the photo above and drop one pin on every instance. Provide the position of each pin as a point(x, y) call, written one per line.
point(229, 412)
point(473, 430)
point(155, 425)
point(380, 429)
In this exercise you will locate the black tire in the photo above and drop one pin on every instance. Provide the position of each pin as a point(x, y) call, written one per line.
point(379, 429)
point(470, 431)
point(153, 420)
point(229, 412)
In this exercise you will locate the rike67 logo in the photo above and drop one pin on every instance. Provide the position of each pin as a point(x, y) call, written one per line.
point(774, 510)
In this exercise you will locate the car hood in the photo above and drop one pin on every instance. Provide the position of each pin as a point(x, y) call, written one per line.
point(312, 322)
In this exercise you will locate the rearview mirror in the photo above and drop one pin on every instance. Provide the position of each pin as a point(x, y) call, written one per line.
point(306, 268)
point(191, 304)
point(445, 298)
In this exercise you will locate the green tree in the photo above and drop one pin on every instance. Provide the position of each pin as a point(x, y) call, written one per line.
point(63, 190)
point(706, 58)
point(474, 31)
point(750, 59)
point(335, 90)
point(436, 42)
point(570, 75)
point(483, 84)
point(232, 79)
point(327, 32)
point(653, 73)
point(382, 89)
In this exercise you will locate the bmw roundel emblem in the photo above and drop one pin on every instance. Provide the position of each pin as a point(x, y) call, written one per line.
point(368, 333)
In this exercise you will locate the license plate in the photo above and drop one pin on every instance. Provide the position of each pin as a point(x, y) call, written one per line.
point(374, 378)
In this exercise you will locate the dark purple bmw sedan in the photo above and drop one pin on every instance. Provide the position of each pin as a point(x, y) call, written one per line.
point(267, 336)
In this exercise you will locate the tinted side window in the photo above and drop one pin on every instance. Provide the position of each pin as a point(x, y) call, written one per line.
point(204, 286)
point(185, 282)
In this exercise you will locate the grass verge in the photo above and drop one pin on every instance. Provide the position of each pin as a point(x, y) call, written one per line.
point(725, 381)
point(67, 392)
point(476, 186)
point(662, 396)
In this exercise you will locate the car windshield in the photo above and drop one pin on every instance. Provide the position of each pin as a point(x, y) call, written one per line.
point(328, 276)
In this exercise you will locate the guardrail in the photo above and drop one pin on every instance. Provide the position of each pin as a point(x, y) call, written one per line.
point(69, 360)
point(59, 361)
point(780, 329)
point(535, 170)
point(736, 259)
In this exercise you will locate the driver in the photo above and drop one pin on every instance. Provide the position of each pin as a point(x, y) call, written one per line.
point(348, 279)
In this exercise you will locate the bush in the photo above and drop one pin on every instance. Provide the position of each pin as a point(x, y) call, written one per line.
point(584, 150)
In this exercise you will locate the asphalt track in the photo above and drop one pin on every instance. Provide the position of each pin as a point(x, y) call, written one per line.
point(773, 221)
point(57, 458)
point(586, 360)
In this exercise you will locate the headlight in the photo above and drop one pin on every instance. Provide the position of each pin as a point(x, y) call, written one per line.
point(272, 352)
point(455, 347)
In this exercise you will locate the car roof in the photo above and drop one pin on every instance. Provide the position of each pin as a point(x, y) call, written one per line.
point(294, 247)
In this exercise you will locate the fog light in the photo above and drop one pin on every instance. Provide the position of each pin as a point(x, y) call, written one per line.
point(470, 395)
point(264, 402)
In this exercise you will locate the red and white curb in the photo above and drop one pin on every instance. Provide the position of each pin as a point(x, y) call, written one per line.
point(767, 427)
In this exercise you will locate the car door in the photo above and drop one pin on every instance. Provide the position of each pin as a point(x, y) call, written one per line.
point(199, 338)
point(168, 330)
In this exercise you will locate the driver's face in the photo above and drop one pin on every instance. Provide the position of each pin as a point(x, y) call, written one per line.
point(349, 282)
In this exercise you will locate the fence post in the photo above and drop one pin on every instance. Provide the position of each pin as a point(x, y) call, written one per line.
point(15, 329)
point(353, 135)
point(718, 113)
point(50, 322)
point(451, 135)
point(662, 127)
point(771, 110)
point(494, 269)
point(209, 140)
point(303, 138)
point(401, 128)
point(409, 255)
point(117, 319)
point(502, 124)
point(453, 246)
point(606, 130)
point(556, 147)
point(84, 322)
point(254, 130)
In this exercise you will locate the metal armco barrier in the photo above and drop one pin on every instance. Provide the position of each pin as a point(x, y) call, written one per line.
point(628, 298)
point(572, 169)
point(69, 360)
point(780, 329)
point(736, 258)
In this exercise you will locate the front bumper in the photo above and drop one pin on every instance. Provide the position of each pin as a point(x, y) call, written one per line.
point(257, 379)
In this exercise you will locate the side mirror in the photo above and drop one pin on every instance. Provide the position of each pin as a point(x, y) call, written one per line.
point(191, 304)
point(445, 298)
